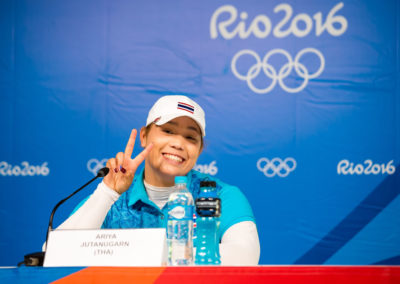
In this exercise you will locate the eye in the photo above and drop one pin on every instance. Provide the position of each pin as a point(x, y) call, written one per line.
point(192, 138)
point(168, 131)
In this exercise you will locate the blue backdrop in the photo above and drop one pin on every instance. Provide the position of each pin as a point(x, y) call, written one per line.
point(301, 98)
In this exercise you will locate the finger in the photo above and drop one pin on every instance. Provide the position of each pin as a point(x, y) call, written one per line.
point(141, 157)
point(111, 164)
point(119, 159)
point(131, 144)
point(108, 179)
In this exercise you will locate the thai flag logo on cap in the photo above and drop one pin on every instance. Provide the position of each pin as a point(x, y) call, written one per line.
point(187, 107)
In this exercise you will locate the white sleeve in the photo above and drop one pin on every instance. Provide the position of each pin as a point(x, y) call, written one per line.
point(92, 213)
point(240, 245)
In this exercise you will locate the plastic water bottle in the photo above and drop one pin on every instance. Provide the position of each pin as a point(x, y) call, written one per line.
point(208, 208)
point(180, 225)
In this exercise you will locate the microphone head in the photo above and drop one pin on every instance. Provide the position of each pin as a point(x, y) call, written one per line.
point(103, 172)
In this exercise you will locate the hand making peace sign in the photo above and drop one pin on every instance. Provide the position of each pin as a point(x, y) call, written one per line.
point(123, 167)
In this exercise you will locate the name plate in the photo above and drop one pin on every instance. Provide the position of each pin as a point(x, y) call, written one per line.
point(106, 247)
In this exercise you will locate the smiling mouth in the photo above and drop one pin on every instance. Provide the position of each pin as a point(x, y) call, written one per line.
point(173, 157)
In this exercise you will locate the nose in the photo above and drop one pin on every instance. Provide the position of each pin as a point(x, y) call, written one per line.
point(177, 142)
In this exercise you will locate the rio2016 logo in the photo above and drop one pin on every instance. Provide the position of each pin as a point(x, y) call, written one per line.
point(25, 169)
point(345, 167)
point(261, 26)
point(224, 24)
point(210, 169)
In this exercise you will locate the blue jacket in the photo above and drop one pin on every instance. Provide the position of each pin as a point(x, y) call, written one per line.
point(135, 210)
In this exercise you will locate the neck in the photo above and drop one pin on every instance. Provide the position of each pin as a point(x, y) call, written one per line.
point(157, 180)
point(159, 195)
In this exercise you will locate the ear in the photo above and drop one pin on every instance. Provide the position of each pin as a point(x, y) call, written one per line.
point(143, 137)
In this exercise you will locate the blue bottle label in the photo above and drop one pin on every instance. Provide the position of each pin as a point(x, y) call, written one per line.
point(181, 212)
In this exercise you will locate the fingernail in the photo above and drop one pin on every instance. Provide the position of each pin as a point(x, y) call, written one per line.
point(123, 170)
point(116, 170)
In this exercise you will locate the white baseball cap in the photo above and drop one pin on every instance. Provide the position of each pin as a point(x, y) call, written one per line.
point(167, 108)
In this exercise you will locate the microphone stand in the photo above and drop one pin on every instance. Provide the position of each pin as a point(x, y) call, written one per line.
point(37, 258)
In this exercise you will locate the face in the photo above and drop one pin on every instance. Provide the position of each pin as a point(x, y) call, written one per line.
point(176, 146)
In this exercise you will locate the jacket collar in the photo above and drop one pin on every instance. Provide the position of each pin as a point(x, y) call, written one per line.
point(138, 191)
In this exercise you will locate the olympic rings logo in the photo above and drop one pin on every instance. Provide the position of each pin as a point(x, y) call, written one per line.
point(276, 166)
point(284, 71)
point(94, 165)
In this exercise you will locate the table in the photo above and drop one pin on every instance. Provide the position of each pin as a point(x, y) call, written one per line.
point(204, 274)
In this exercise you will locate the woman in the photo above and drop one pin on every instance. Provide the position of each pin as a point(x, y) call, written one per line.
point(172, 140)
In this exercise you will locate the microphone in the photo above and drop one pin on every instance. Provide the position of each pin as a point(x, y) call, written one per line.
point(37, 258)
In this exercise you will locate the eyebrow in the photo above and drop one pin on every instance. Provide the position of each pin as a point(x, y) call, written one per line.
point(189, 127)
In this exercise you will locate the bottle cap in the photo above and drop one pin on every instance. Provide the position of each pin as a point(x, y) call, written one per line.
point(208, 183)
point(180, 179)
